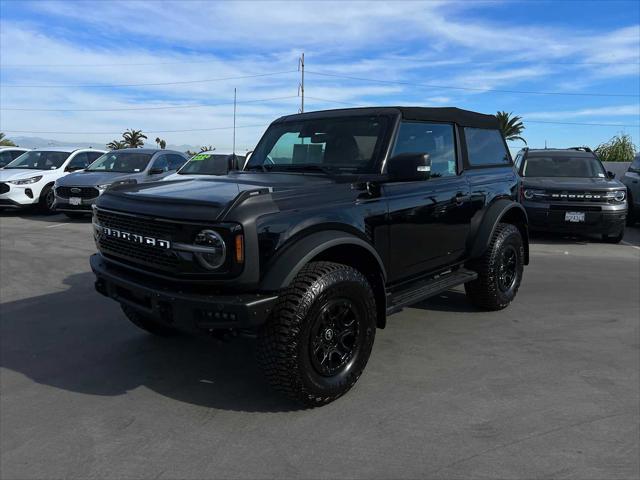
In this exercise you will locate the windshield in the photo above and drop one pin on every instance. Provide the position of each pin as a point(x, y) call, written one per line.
point(122, 162)
point(39, 160)
point(584, 167)
point(336, 145)
point(209, 164)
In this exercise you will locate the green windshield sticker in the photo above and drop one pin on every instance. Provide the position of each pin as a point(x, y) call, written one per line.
point(200, 157)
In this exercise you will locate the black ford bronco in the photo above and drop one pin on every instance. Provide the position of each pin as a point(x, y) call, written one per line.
point(339, 219)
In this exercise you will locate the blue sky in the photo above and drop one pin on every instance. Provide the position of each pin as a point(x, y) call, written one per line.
point(435, 53)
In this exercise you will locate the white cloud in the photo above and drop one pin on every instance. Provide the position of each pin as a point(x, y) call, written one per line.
point(609, 111)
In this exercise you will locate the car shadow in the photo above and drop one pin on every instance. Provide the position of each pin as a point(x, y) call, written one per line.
point(631, 237)
point(449, 301)
point(33, 214)
point(79, 341)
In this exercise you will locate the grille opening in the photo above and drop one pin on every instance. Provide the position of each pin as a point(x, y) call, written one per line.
point(81, 192)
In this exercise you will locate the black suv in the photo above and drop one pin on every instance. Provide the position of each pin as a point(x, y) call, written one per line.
point(339, 219)
point(569, 190)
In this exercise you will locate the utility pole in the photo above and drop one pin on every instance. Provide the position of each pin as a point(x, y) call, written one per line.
point(234, 120)
point(301, 86)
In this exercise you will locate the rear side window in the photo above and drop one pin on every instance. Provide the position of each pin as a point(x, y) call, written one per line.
point(485, 147)
point(175, 161)
point(635, 165)
point(79, 161)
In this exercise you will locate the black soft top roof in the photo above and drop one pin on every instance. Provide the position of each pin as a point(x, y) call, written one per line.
point(465, 118)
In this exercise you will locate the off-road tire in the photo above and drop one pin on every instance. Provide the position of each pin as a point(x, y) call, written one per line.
point(486, 291)
point(285, 343)
point(45, 202)
point(148, 324)
point(613, 238)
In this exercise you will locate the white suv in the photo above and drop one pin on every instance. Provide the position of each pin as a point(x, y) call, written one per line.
point(29, 179)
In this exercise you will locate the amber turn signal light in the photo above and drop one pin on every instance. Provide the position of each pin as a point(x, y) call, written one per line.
point(239, 250)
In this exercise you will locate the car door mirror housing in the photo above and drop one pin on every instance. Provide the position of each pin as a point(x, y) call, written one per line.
point(409, 167)
point(156, 171)
point(611, 175)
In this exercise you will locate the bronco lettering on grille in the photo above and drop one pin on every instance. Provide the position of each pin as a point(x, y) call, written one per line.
point(135, 238)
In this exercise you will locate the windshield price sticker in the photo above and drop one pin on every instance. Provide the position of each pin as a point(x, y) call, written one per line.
point(200, 157)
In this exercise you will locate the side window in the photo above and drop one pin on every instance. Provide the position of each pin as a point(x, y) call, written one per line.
point(485, 147)
point(79, 162)
point(93, 156)
point(518, 161)
point(161, 162)
point(175, 161)
point(635, 165)
point(5, 158)
point(436, 139)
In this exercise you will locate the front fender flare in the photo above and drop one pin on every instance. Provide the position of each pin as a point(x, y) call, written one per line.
point(285, 267)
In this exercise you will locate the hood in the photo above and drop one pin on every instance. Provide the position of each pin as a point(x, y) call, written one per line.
point(90, 179)
point(571, 183)
point(206, 196)
point(18, 173)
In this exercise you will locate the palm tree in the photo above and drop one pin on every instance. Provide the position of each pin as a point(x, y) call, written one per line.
point(133, 138)
point(161, 143)
point(207, 148)
point(5, 142)
point(511, 127)
point(116, 145)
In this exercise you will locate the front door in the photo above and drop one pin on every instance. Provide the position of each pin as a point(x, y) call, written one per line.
point(428, 220)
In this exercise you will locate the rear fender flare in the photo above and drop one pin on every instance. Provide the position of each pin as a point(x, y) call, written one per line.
point(503, 210)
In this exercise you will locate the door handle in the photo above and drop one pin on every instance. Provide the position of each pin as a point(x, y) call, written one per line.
point(461, 198)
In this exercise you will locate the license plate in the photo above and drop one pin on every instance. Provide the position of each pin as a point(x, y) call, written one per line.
point(75, 201)
point(574, 217)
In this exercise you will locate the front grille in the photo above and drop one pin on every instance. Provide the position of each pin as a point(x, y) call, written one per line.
point(154, 257)
point(574, 196)
point(147, 256)
point(4, 188)
point(147, 226)
point(81, 192)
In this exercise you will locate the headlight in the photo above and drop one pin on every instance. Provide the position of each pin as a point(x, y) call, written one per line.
point(26, 181)
point(103, 187)
point(619, 195)
point(211, 251)
point(530, 194)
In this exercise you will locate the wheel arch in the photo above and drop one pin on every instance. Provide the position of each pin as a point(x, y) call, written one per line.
point(501, 211)
point(334, 246)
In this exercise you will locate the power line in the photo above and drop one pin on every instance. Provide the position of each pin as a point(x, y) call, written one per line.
point(143, 129)
point(195, 62)
point(168, 107)
point(493, 90)
point(586, 124)
point(184, 82)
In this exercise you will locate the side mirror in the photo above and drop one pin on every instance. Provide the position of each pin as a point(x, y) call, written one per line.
point(611, 175)
point(409, 167)
point(156, 171)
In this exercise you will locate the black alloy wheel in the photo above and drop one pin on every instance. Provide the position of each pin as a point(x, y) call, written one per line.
point(334, 337)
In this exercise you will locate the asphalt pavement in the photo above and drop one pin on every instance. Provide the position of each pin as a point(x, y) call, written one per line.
point(548, 388)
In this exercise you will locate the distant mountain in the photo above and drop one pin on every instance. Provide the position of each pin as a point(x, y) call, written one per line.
point(37, 142)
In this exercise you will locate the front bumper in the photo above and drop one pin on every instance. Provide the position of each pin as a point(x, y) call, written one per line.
point(187, 311)
point(19, 196)
point(600, 219)
point(62, 204)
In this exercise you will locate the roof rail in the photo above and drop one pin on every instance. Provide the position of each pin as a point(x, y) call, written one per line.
point(582, 149)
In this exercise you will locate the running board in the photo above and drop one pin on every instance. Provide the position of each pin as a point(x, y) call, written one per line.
point(425, 288)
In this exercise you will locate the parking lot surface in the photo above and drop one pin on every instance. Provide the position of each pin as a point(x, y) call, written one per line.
point(548, 388)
